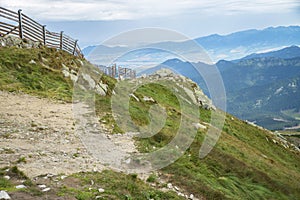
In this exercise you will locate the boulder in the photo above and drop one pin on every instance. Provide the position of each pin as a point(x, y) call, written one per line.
point(21, 187)
point(149, 99)
point(99, 90)
point(198, 125)
point(4, 195)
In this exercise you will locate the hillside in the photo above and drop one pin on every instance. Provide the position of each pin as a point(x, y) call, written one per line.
point(262, 88)
point(247, 162)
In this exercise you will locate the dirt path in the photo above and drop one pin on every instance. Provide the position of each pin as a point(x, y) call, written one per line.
point(38, 135)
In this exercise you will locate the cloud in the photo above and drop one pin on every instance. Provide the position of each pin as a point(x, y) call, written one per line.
point(74, 10)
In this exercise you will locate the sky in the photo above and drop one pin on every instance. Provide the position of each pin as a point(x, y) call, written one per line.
point(94, 21)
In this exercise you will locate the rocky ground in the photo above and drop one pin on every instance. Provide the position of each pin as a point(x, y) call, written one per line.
point(38, 135)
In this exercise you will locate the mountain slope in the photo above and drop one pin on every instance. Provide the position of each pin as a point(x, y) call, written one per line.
point(246, 163)
point(260, 88)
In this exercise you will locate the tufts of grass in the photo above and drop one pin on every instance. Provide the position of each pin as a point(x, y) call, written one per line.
point(116, 186)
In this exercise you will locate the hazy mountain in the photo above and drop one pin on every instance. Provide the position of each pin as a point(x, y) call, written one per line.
point(87, 50)
point(261, 89)
point(288, 52)
point(217, 47)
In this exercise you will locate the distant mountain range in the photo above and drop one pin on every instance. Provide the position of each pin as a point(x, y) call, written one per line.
point(229, 47)
point(264, 88)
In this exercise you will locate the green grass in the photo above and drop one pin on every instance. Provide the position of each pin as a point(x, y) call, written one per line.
point(16, 178)
point(235, 169)
point(116, 186)
point(42, 78)
point(244, 164)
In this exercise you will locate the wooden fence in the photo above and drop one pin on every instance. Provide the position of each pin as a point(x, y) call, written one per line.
point(118, 72)
point(19, 24)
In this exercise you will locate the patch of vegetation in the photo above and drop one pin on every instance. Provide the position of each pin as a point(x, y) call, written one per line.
point(116, 186)
point(21, 160)
point(152, 178)
point(16, 176)
point(24, 70)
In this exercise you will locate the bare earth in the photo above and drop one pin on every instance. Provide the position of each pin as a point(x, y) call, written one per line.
point(43, 132)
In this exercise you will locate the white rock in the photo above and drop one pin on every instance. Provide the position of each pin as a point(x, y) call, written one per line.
point(6, 177)
point(73, 77)
point(132, 95)
point(4, 195)
point(150, 99)
point(32, 62)
point(42, 186)
point(20, 187)
point(180, 194)
point(100, 90)
point(63, 177)
point(176, 188)
point(198, 125)
point(46, 189)
point(101, 190)
point(73, 72)
point(103, 86)
point(89, 79)
point(66, 73)
point(169, 185)
point(191, 196)
point(65, 67)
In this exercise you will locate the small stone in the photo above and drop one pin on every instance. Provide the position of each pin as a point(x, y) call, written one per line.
point(20, 187)
point(63, 177)
point(7, 177)
point(4, 195)
point(180, 194)
point(191, 196)
point(133, 96)
point(101, 190)
point(198, 125)
point(50, 175)
point(42, 186)
point(169, 185)
point(149, 99)
point(46, 189)
point(176, 188)
point(32, 62)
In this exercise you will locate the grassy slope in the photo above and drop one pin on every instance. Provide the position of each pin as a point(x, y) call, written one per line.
point(44, 78)
point(243, 165)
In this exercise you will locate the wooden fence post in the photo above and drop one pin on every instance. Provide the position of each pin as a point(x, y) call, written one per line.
point(20, 24)
point(61, 40)
point(75, 45)
point(44, 34)
point(114, 71)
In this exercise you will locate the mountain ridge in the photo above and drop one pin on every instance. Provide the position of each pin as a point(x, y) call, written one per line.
point(243, 77)
point(230, 46)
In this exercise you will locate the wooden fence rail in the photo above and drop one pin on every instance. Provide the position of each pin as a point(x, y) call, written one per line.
point(22, 26)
